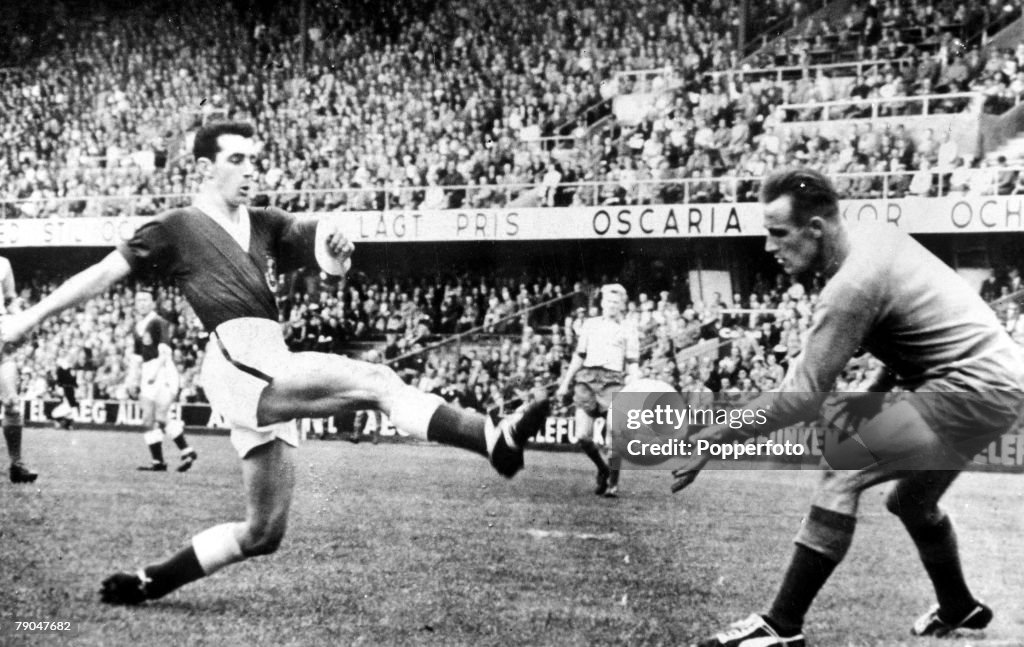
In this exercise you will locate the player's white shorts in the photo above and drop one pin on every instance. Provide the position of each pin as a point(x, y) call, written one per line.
point(159, 387)
point(8, 379)
point(241, 359)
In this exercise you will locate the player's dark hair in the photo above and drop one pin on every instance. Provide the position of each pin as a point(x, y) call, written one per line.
point(811, 192)
point(205, 144)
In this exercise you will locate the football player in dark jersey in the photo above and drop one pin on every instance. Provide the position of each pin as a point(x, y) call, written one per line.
point(156, 378)
point(226, 257)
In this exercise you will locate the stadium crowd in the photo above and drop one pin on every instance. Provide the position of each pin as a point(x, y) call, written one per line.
point(516, 332)
point(412, 107)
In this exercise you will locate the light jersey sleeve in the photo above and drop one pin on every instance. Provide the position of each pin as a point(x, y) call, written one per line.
point(10, 292)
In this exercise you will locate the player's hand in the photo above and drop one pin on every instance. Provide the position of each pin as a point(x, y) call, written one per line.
point(333, 248)
point(694, 464)
point(685, 475)
point(14, 328)
point(849, 410)
point(338, 243)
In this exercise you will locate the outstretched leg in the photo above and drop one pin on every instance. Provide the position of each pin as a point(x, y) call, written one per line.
point(321, 385)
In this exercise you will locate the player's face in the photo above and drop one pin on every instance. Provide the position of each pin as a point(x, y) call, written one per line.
point(233, 169)
point(143, 303)
point(796, 248)
point(612, 304)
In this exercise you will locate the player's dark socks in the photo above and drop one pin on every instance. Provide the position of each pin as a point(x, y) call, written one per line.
point(156, 450)
point(12, 435)
point(458, 428)
point(613, 478)
point(181, 443)
point(174, 573)
point(594, 454)
point(937, 545)
point(808, 571)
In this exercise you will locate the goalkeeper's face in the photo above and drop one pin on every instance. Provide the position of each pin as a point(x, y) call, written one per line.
point(797, 248)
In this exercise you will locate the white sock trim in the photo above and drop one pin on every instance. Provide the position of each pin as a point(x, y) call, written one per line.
point(217, 547)
point(413, 410)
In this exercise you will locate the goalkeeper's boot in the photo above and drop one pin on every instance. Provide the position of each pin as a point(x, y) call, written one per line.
point(933, 624)
point(753, 632)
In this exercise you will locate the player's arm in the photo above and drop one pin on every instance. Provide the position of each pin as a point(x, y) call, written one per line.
point(837, 330)
point(305, 242)
point(836, 333)
point(575, 364)
point(78, 289)
point(882, 381)
point(9, 289)
point(633, 356)
point(163, 360)
point(134, 377)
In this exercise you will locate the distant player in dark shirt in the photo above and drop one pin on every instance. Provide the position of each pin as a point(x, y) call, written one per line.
point(226, 257)
point(156, 378)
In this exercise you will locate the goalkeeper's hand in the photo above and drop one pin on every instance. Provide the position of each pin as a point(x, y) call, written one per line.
point(847, 411)
point(685, 475)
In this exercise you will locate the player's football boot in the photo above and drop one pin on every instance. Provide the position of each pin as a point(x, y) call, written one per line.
point(21, 474)
point(612, 492)
point(187, 459)
point(602, 482)
point(506, 441)
point(931, 624)
point(153, 467)
point(124, 588)
point(753, 632)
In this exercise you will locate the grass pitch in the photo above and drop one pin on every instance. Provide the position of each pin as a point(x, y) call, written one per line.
point(406, 544)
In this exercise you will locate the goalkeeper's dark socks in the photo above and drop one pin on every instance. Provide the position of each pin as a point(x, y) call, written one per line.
point(458, 428)
point(174, 573)
point(808, 571)
point(937, 545)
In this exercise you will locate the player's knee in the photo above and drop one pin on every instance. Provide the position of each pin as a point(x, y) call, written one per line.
point(263, 538)
point(912, 511)
point(381, 380)
point(12, 413)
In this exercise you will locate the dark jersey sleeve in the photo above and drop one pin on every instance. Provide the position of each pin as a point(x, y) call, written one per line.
point(295, 240)
point(149, 252)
